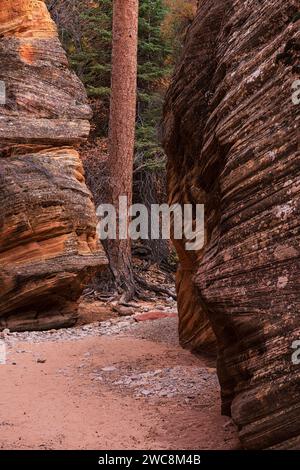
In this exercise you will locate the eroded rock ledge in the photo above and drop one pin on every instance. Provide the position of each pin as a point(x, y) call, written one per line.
point(230, 132)
point(48, 243)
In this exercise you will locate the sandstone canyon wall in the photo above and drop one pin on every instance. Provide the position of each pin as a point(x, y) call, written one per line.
point(232, 140)
point(48, 244)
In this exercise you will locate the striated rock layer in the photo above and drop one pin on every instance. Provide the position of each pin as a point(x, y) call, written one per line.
point(232, 139)
point(48, 243)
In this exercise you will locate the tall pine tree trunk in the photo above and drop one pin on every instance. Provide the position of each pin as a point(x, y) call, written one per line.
point(122, 132)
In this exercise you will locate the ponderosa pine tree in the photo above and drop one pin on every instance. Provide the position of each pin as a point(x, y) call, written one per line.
point(122, 135)
point(91, 59)
point(86, 33)
point(89, 51)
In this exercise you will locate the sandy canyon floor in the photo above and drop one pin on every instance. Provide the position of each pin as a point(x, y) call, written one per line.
point(110, 385)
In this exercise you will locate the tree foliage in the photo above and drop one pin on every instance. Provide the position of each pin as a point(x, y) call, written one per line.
point(86, 32)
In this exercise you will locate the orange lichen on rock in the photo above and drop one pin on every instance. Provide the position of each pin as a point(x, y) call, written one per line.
point(27, 53)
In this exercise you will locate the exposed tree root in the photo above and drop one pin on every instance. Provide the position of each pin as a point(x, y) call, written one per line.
point(153, 287)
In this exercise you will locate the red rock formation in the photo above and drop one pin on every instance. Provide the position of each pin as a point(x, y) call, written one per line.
point(48, 244)
point(230, 132)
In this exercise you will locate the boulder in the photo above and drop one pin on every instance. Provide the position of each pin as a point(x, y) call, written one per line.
point(232, 140)
point(48, 242)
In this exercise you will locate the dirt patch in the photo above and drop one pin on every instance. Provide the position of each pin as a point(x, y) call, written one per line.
point(86, 392)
